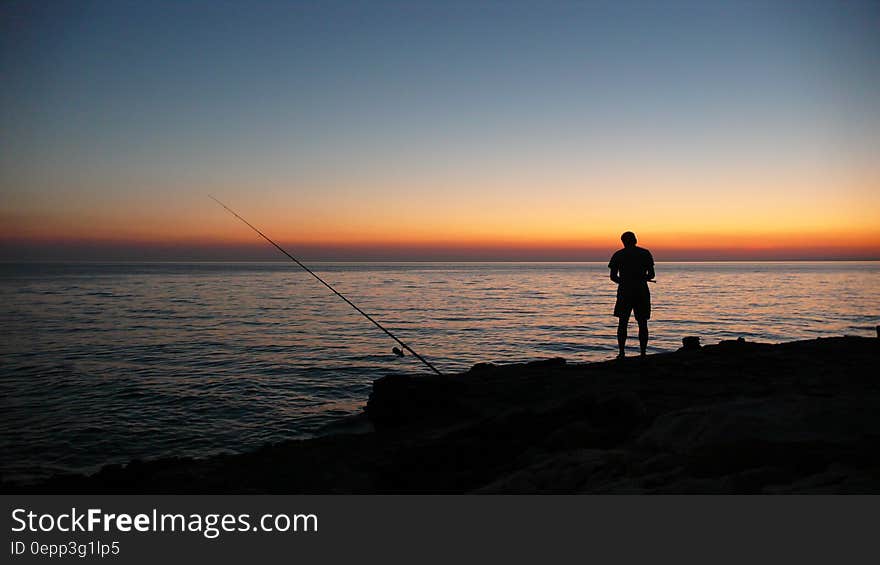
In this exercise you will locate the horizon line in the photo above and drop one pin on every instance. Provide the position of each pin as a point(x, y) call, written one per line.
point(83, 250)
point(432, 261)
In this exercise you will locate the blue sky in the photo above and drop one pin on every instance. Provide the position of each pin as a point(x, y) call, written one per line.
point(326, 108)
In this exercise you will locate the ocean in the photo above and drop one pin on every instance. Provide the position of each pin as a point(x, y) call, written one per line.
point(107, 362)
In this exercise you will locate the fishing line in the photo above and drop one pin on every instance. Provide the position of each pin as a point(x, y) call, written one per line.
point(396, 351)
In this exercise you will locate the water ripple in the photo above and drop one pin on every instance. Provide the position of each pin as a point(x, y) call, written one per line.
point(108, 362)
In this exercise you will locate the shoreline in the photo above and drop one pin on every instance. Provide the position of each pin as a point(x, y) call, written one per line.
point(735, 417)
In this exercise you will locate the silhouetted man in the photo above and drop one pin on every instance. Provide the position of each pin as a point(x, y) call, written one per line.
point(631, 268)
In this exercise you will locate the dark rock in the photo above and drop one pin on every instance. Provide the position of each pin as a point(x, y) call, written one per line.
point(737, 417)
point(402, 399)
point(658, 463)
point(548, 363)
point(753, 481)
point(572, 436)
point(693, 485)
point(617, 416)
point(690, 343)
point(836, 479)
point(481, 368)
point(794, 431)
point(567, 472)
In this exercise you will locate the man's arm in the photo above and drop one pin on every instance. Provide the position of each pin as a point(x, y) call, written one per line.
point(650, 273)
point(615, 270)
point(614, 265)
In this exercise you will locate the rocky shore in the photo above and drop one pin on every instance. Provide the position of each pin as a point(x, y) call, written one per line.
point(736, 417)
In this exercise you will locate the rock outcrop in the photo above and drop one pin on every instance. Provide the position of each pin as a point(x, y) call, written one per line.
point(736, 417)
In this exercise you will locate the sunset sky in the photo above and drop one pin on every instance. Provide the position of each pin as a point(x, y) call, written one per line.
point(440, 130)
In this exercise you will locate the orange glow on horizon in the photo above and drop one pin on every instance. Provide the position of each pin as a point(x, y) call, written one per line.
point(700, 219)
point(663, 245)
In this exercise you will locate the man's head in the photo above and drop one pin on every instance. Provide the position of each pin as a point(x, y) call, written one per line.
point(628, 238)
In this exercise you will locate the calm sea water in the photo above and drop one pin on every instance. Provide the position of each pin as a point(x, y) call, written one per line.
point(108, 362)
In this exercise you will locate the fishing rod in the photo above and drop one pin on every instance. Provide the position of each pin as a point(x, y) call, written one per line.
point(397, 351)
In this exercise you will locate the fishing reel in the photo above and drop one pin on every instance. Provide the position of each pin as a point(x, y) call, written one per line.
point(397, 351)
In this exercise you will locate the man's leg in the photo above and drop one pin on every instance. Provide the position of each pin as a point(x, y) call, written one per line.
point(621, 334)
point(643, 335)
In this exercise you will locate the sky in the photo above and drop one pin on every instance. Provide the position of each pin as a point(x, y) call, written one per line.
point(439, 130)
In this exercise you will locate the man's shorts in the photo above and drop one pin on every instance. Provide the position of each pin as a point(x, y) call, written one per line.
point(633, 299)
